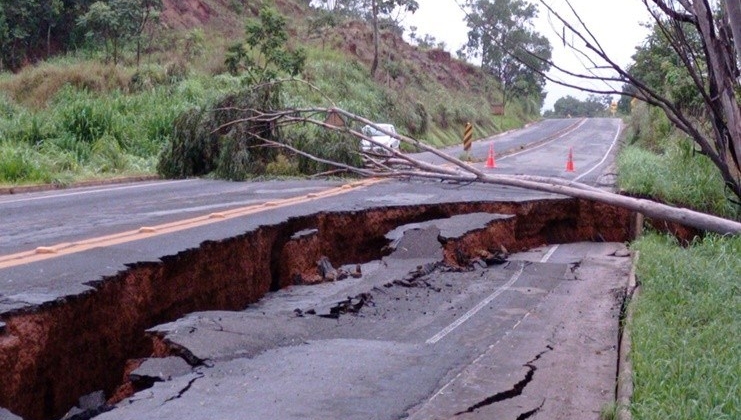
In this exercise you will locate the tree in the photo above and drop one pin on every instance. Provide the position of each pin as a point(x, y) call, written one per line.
point(264, 54)
point(700, 39)
point(21, 21)
point(51, 10)
point(501, 35)
point(116, 21)
point(148, 13)
point(570, 106)
point(37, 28)
point(373, 10)
point(395, 164)
point(385, 7)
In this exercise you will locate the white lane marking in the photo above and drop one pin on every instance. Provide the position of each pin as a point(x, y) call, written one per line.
point(457, 323)
point(530, 149)
point(450, 382)
point(70, 194)
point(521, 319)
point(604, 158)
point(549, 253)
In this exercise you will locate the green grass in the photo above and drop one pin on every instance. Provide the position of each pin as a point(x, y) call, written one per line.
point(677, 176)
point(686, 342)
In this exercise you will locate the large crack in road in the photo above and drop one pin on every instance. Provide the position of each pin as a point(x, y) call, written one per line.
point(513, 392)
point(52, 354)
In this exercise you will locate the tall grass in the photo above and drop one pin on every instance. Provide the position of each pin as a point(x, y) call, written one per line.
point(21, 164)
point(686, 341)
point(93, 128)
point(676, 175)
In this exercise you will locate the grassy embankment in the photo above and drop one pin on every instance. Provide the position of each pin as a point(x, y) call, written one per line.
point(74, 118)
point(686, 346)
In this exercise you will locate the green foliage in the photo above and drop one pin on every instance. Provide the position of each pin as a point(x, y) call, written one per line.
point(21, 163)
point(282, 166)
point(87, 121)
point(205, 141)
point(568, 106)
point(658, 66)
point(188, 153)
point(333, 146)
point(85, 133)
point(265, 55)
point(678, 176)
point(501, 34)
point(194, 43)
point(685, 330)
point(115, 21)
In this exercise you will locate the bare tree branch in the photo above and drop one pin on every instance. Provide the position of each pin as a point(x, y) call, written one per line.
point(717, 82)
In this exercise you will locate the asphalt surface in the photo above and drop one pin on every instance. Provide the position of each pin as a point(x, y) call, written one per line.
point(439, 350)
point(429, 351)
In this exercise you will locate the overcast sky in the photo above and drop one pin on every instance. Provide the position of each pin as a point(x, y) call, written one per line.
point(615, 24)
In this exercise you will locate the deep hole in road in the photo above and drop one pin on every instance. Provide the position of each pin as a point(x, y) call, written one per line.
point(54, 353)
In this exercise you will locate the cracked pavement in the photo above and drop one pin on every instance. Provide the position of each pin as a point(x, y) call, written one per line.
point(543, 348)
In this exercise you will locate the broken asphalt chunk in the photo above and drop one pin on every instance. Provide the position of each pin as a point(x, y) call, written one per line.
point(88, 406)
point(7, 415)
point(350, 305)
point(159, 370)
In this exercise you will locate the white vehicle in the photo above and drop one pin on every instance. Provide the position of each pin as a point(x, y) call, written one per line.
point(379, 137)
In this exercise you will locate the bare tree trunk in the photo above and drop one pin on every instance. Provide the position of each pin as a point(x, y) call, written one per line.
point(722, 82)
point(733, 8)
point(374, 11)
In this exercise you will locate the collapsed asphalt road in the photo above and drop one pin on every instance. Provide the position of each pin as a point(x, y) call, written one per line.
point(531, 335)
point(74, 316)
point(412, 304)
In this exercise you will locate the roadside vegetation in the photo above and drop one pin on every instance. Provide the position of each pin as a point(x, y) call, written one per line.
point(661, 162)
point(119, 92)
point(686, 344)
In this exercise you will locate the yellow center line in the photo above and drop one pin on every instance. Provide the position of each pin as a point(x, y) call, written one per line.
point(46, 252)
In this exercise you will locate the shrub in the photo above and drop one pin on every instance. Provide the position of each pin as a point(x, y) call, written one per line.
point(21, 164)
point(329, 145)
point(282, 166)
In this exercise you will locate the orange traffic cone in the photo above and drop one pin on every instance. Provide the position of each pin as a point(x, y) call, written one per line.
point(570, 162)
point(490, 163)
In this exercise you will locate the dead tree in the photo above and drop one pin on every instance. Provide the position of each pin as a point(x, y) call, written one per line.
point(712, 67)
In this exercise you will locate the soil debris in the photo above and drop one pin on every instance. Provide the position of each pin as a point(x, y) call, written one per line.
point(328, 273)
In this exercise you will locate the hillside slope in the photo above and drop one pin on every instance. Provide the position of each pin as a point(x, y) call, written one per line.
point(81, 116)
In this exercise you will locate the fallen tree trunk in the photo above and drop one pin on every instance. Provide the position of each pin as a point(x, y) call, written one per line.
point(398, 165)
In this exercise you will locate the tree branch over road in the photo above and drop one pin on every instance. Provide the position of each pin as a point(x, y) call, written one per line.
point(395, 164)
